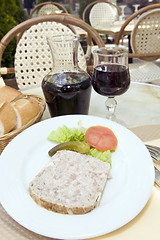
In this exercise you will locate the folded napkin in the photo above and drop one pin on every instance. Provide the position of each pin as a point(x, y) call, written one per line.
point(149, 135)
point(155, 143)
point(144, 227)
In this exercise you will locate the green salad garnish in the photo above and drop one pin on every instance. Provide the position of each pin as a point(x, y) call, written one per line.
point(64, 134)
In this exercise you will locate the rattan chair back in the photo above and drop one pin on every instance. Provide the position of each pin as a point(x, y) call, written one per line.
point(145, 38)
point(101, 11)
point(47, 8)
point(33, 59)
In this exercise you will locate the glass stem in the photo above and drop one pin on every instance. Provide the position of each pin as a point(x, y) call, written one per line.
point(111, 104)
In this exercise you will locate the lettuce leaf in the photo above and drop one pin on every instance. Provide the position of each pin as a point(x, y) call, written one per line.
point(65, 134)
point(103, 156)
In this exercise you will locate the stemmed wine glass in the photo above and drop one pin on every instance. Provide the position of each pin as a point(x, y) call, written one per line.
point(111, 74)
point(136, 7)
point(122, 17)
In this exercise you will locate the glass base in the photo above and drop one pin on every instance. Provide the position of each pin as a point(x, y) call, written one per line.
point(117, 120)
point(111, 104)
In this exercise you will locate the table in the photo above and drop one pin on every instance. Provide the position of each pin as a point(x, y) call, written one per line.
point(114, 28)
point(141, 101)
point(140, 105)
point(107, 29)
point(82, 33)
point(137, 107)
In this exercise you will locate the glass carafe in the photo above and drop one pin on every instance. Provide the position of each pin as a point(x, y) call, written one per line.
point(67, 88)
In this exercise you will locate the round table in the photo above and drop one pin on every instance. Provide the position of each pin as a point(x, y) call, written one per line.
point(114, 28)
point(139, 106)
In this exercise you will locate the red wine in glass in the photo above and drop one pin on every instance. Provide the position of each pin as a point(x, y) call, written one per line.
point(111, 79)
point(111, 74)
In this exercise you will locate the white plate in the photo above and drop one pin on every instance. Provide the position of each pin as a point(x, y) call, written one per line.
point(124, 197)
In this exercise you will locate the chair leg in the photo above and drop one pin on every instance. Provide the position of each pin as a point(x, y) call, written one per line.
point(130, 49)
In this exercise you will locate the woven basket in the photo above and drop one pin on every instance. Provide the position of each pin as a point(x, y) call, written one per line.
point(5, 139)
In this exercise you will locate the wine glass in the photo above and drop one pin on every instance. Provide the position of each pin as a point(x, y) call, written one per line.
point(111, 74)
point(136, 7)
point(122, 17)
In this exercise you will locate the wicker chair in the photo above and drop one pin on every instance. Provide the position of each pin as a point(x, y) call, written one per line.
point(32, 58)
point(145, 43)
point(47, 8)
point(101, 11)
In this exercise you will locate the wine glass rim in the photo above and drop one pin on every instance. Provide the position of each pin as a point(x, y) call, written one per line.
point(116, 50)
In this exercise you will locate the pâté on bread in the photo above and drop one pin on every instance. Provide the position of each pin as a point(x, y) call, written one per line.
point(71, 183)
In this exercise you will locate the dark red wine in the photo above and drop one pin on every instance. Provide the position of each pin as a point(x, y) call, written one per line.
point(67, 93)
point(111, 79)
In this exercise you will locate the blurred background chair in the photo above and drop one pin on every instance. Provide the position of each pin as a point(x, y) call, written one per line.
point(47, 8)
point(33, 58)
point(101, 12)
point(145, 44)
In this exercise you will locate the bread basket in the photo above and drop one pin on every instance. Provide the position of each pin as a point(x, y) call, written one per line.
point(6, 138)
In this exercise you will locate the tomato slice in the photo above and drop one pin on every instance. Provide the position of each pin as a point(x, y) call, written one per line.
point(101, 138)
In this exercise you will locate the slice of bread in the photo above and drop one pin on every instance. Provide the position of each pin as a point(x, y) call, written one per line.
point(26, 109)
point(8, 94)
point(16, 109)
point(71, 183)
point(7, 118)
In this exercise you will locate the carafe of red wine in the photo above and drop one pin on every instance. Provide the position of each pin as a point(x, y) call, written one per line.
point(67, 88)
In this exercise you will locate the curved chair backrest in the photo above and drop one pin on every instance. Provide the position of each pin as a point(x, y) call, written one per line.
point(47, 8)
point(145, 38)
point(102, 13)
point(99, 8)
point(33, 59)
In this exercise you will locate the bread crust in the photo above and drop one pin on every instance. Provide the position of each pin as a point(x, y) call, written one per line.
point(16, 109)
point(59, 208)
point(26, 110)
point(7, 118)
point(8, 94)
